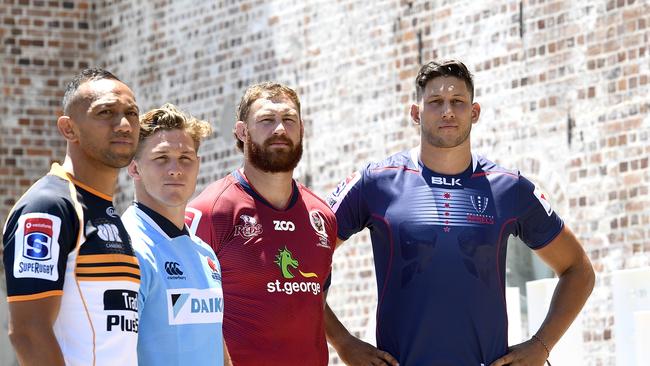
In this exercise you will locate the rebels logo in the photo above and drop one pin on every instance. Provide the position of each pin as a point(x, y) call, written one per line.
point(38, 239)
point(444, 181)
point(281, 225)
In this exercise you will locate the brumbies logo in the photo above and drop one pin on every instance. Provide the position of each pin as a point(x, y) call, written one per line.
point(318, 223)
point(249, 229)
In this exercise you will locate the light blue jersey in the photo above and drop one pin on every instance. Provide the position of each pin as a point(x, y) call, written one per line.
point(180, 301)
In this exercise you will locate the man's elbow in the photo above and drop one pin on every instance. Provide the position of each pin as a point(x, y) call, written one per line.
point(585, 271)
point(21, 339)
point(25, 340)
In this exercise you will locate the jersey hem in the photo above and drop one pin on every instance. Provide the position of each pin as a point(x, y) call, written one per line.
point(41, 295)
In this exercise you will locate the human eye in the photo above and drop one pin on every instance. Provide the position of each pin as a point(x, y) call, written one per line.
point(105, 113)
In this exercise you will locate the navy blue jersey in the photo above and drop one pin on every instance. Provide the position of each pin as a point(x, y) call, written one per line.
point(439, 244)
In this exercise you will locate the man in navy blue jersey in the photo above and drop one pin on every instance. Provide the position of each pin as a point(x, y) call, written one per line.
point(439, 218)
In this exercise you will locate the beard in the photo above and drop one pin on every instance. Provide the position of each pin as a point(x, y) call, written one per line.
point(263, 158)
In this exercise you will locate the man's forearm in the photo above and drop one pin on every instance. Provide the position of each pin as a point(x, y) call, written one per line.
point(335, 331)
point(570, 295)
point(36, 347)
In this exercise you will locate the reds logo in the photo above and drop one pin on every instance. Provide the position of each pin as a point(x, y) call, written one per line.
point(249, 229)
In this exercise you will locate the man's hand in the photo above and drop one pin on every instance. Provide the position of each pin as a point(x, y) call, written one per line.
point(529, 353)
point(355, 352)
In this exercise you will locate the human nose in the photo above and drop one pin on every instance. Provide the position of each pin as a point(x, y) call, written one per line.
point(175, 168)
point(280, 129)
point(124, 125)
point(448, 111)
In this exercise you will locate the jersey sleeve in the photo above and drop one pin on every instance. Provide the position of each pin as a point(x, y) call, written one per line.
point(210, 221)
point(538, 224)
point(348, 203)
point(38, 237)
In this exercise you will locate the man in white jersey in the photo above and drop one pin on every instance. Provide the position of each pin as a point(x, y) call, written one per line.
point(180, 299)
point(72, 277)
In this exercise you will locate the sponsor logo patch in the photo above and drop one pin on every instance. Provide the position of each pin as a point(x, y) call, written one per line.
point(174, 271)
point(288, 265)
point(214, 268)
point(110, 211)
point(542, 197)
point(122, 309)
point(36, 246)
point(334, 199)
point(194, 306)
point(444, 181)
point(281, 225)
point(192, 219)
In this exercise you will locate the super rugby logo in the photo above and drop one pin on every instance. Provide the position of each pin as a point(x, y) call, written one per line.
point(249, 229)
point(36, 246)
point(38, 239)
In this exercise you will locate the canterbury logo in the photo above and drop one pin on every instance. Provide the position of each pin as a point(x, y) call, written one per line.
point(173, 269)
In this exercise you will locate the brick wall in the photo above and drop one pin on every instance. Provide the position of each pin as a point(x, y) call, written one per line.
point(563, 87)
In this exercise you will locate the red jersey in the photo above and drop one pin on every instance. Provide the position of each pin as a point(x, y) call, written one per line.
point(274, 266)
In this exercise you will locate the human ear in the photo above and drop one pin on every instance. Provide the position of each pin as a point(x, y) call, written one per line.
point(65, 125)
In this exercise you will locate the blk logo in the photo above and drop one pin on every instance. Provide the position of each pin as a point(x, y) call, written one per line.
point(173, 269)
point(444, 181)
point(281, 225)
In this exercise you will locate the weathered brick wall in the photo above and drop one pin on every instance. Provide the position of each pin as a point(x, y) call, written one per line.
point(43, 44)
point(563, 87)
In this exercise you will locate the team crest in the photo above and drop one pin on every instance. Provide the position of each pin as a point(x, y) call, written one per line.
point(479, 202)
point(250, 228)
point(318, 223)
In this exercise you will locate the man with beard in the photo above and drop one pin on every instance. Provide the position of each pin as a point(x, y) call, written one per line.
point(273, 237)
point(72, 276)
point(439, 218)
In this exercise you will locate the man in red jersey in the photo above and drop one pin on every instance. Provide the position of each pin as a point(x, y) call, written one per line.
point(273, 237)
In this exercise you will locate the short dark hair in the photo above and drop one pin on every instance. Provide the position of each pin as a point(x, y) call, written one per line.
point(85, 75)
point(435, 69)
point(266, 90)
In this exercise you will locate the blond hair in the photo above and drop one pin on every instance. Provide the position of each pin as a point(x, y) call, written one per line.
point(169, 117)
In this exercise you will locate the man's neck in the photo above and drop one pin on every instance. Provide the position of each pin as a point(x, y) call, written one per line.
point(449, 161)
point(175, 215)
point(276, 188)
point(99, 177)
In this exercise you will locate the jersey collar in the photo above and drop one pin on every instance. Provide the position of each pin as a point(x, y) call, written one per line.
point(417, 163)
point(161, 221)
point(253, 193)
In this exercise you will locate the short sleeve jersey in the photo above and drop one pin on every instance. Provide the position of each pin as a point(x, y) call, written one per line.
point(180, 299)
point(274, 263)
point(63, 238)
point(439, 245)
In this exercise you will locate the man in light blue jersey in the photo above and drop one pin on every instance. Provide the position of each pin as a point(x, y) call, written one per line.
point(180, 301)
